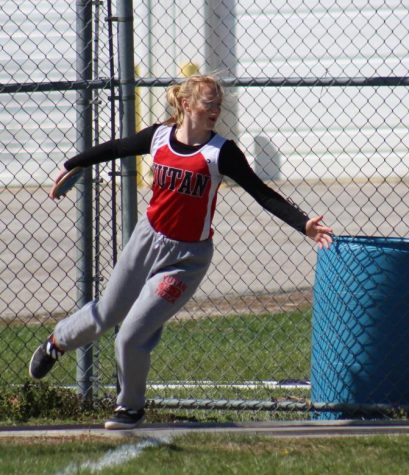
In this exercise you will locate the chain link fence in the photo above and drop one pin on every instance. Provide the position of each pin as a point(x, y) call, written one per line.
point(317, 98)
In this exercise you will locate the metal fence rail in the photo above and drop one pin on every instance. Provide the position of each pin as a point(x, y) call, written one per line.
point(317, 98)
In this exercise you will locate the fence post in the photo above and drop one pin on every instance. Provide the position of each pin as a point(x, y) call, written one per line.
point(84, 261)
point(127, 114)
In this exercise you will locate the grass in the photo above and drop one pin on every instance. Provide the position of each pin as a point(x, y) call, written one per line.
point(224, 350)
point(236, 348)
point(210, 454)
point(232, 349)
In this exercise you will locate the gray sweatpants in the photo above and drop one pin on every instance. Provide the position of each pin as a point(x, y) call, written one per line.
point(153, 278)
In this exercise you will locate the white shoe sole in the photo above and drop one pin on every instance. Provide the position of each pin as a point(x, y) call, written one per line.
point(112, 425)
point(31, 361)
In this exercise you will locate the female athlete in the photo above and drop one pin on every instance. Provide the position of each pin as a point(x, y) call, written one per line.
point(171, 247)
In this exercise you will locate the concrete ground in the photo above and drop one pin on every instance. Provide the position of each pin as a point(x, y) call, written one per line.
point(254, 253)
point(280, 429)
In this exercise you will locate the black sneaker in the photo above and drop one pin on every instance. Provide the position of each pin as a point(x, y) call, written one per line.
point(43, 359)
point(124, 418)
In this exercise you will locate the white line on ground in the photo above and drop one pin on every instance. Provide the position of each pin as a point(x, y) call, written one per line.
point(116, 457)
point(244, 385)
point(283, 384)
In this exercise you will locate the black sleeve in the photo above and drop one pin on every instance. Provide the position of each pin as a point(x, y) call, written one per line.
point(138, 144)
point(233, 164)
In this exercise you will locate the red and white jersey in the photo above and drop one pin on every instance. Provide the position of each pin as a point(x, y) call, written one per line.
point(184, 188)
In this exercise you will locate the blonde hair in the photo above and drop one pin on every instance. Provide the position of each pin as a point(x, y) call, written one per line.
point(191, 90)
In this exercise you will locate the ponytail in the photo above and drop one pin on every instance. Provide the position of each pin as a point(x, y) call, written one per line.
point(175, 103)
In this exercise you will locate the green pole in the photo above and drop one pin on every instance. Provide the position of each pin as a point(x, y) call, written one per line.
point(127, 114)
point(84, 261)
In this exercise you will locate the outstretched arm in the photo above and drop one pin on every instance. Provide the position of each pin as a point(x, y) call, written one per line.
point(233, 163)
point(137, 144)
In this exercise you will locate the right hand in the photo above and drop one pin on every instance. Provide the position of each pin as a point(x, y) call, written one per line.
point(62, 172)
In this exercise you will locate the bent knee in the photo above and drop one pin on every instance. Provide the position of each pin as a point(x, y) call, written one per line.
point(138, 341)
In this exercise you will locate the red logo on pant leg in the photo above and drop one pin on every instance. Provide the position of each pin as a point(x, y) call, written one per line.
point(170, 288)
